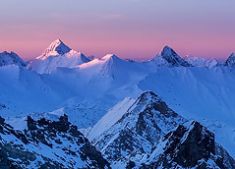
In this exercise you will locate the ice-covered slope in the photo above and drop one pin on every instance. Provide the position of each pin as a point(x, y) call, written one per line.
point(113, 75)
point(231, 60)
point(110, 118)
point(57, 55)
point(149, 135)
point(24, 91)
point(9, 58)
point(201, 62)
point(168, 57)
point(114, 67)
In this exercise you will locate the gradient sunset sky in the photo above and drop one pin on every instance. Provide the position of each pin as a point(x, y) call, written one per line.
point(128, 28)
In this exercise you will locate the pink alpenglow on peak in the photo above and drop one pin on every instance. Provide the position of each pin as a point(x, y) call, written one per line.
point(110, 56)
point(58, 54)
point(57, 47)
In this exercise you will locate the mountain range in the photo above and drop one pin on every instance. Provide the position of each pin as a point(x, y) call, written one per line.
point(64, 109)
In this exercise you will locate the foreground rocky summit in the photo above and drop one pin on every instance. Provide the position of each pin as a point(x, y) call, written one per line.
point(47, 144)
point(143, 133)
point(151, 135)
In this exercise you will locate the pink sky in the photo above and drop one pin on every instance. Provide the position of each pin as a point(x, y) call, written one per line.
point(128, 28)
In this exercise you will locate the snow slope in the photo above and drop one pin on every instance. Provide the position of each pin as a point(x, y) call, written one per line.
point(201, 62)
point(24, 92)
point(110, 118)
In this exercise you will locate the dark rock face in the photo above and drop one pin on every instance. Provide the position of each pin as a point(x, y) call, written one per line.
point(199, 144)
point(231, 60)
point(173, 58)
point(186, 146)
point(57, 46)
point(62, 49)
point(8, 58)
point(75, 151)
point(191, 147)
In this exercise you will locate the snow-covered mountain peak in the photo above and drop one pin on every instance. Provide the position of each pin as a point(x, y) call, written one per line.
point(112, 64)
point(110, 57)
point(57, 47)
point(231, 60)
point(9, 58)
point(148, 97)
point(150, 135)
point(171, 57)
point(167, 51)
point(57, 55)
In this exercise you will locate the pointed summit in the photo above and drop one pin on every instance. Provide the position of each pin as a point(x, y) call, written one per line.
point(144, 123)
point(111, 60)
point(116, 68)
point(231, 60)
point(148, 97)
point(172, 57)
point(110, 56)
point(57, 47)
point(149, 130)
point(168, 51)
point(57, 55)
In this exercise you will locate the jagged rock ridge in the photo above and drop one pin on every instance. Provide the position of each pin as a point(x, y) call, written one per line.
point(47, 144)
point(9, 58)
point(151, 135)
point(231, 60)
point(172, 57)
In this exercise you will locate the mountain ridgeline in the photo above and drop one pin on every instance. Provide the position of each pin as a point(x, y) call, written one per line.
point(58, 51)
point(64, 109)
point(148, 135)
